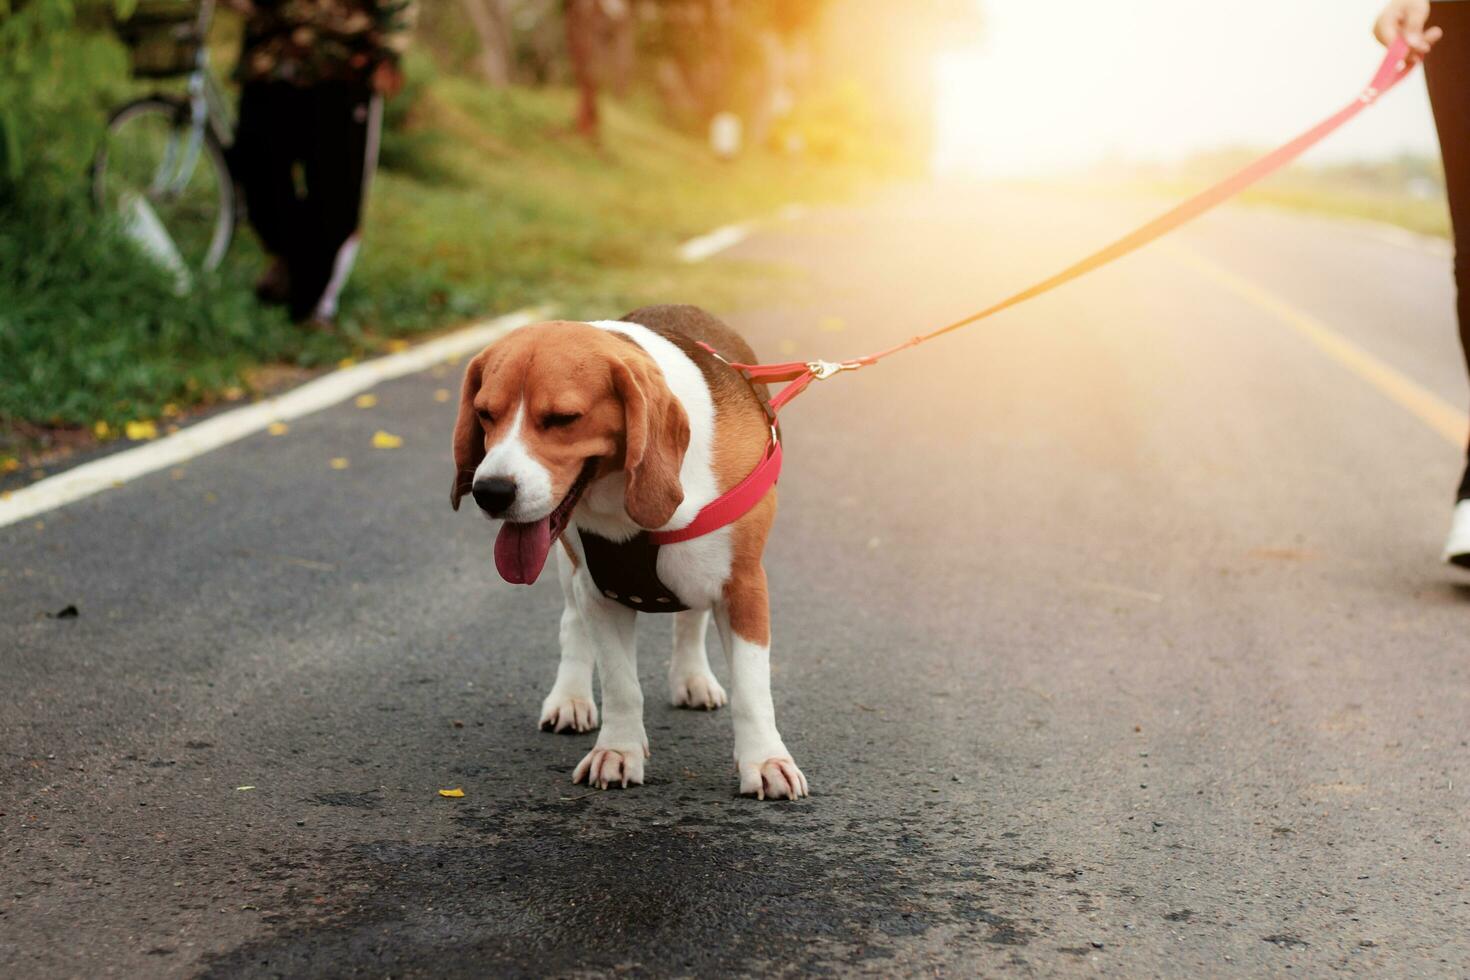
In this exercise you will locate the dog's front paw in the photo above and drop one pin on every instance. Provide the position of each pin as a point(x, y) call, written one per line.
point(774, 779)
point(564, 714)
point(611, 767)
point(699, 691)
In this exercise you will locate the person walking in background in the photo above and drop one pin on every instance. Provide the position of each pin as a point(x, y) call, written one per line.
point(1444, 26)
point(313, 76)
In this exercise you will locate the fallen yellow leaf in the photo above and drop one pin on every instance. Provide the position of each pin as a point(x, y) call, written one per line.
point(101, 430)
point(233, 393)
point(386, 440)
point(9, 464)
point(338, 463)
point(347, 362)
point(442, 395)
point(453, 794)
point(170, 410)
point(278, 428)
point(365, 401)
point(397, 345)
point(141, 431)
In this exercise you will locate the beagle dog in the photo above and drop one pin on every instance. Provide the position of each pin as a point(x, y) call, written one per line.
point(606, 437)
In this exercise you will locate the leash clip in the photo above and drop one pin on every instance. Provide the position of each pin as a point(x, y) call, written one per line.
point(822, 370)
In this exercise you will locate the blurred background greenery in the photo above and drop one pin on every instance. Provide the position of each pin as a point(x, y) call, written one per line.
point(542, 151)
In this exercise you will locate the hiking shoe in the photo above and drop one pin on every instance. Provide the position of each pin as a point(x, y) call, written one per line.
point(274, 285)
point(1457, 547)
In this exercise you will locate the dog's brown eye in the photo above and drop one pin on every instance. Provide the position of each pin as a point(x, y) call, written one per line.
point(485, 416)
point(558, 420)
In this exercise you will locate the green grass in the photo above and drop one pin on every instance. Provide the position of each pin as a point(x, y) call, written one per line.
point(1291, 192)
point(1407, 192)
point(487, 202)
point(1426, 216)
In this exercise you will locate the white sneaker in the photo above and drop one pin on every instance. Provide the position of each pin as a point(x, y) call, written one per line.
point(1457, 547)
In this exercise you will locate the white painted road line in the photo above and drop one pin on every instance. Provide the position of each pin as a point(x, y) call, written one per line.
point(118, 468)
point(129, 464)
point(728, 236)
point(701, 248)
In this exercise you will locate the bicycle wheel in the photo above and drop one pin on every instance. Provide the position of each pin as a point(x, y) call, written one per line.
point(170, 183)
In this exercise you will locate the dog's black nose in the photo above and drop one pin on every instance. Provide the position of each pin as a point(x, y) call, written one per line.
point(494, 494)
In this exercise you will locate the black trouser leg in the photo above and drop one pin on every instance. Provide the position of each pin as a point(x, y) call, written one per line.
point(265, 151)
point(336, 166)
point(1447, 73)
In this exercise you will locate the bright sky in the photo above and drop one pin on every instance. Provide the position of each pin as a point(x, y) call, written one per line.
point(1057, 85)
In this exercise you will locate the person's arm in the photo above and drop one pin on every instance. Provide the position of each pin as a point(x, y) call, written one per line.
point(1406, 18)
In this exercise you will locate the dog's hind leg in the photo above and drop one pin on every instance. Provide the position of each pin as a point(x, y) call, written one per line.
point(765, 766)
point(569, 707)
point(691, 682)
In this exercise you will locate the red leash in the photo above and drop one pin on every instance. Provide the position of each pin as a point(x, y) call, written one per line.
point(739, 500)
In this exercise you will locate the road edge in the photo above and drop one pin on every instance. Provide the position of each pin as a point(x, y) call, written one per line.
point(331, 389)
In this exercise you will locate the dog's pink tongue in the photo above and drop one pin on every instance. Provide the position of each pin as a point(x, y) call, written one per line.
point(521, 550)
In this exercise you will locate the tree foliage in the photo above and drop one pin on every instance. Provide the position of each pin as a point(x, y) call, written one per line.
point(59, 67)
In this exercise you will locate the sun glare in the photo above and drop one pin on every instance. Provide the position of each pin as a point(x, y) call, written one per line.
point(1160, 79)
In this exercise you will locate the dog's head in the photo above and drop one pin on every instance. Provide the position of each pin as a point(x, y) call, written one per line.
point(546, 410)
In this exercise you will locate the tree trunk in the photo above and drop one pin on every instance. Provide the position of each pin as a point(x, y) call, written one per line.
point(581, 17)
point(491, 23)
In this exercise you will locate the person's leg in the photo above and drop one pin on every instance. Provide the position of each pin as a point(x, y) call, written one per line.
point(339, 165)
point(1447, 74)
point(262, 158)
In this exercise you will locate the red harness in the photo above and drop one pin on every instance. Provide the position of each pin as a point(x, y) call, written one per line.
point(740, 499)
point(729, 507)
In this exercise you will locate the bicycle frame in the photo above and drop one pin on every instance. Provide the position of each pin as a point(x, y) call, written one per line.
point(208, 106)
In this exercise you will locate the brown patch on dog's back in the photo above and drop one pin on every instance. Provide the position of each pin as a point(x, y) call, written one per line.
point(686, 327)
point(742, 433)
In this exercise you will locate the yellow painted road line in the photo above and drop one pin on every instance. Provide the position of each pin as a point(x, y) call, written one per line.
point(1423, 404)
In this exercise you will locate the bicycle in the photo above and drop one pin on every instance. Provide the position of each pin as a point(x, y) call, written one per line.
point(164, 164)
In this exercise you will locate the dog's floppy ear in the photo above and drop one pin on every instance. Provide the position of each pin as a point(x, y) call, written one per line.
point(469, 437)
point(657, 432)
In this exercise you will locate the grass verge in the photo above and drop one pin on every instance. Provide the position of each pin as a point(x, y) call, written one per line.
point(487, 201)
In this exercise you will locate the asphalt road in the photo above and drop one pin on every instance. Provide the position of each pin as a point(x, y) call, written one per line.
point(1110, 635)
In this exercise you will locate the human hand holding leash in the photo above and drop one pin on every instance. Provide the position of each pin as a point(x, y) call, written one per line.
point(1406, 19)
